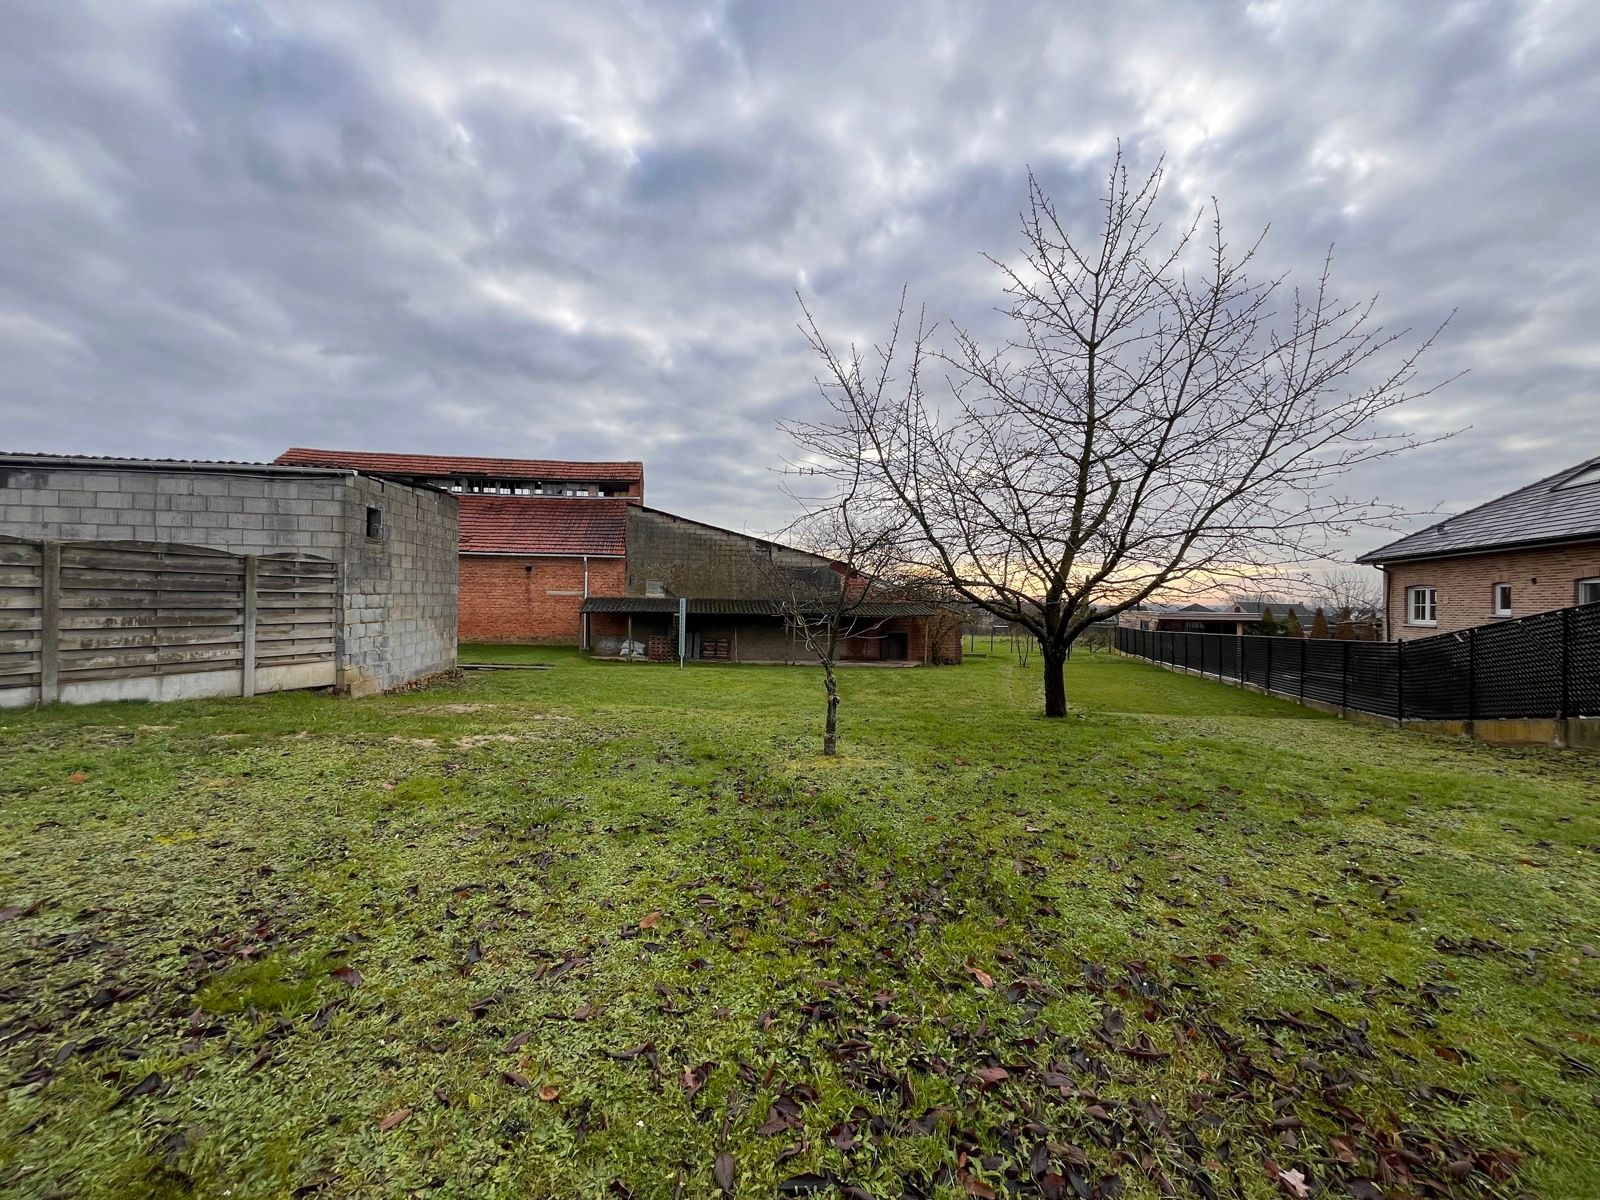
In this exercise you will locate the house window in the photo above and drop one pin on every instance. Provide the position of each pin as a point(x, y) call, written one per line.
point(1422, 606)
point(1589, 591)
point(1502, 599)
point(374, 522)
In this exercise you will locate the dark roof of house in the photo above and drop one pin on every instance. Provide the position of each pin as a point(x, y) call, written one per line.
point(105, 462)
point(1554, 509)
point(544, 525)
point(443, 465)
point(712, 607)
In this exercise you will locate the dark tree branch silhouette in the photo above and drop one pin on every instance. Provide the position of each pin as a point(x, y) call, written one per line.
point(1157, 420)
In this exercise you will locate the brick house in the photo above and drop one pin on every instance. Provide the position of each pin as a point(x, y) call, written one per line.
point(567, 553)
point(1532, 550)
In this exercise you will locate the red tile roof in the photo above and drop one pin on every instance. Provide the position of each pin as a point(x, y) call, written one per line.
point(438, 465)
point(542, 525)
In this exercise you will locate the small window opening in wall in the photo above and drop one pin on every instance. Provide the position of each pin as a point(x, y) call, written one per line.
point(1502, 599)
point(1422, 606)
point(374, 522)
point(1589, 591)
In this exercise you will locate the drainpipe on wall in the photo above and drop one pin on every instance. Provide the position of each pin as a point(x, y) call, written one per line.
point(586, 617)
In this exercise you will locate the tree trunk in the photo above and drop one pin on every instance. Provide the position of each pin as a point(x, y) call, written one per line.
point(1055, 683)
point(830, 731)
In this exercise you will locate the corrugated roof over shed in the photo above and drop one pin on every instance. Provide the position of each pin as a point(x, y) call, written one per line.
point(1561, 507)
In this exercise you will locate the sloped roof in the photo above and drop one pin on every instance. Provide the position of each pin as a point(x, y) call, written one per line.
point(1550, 510)
point(440, 465)
point(543, 525)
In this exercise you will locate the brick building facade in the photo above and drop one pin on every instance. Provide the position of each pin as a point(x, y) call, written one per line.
point(1530, 551)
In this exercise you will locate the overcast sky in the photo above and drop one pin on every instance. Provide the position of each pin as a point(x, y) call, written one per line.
point(529, 229)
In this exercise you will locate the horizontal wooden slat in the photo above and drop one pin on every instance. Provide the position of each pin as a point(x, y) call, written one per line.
point(129, 639)
point(126, 599)
point(19, 641)
point(87, 578)
point(100, 559)
point(19, 619)
point(152, 618)
point(89, 660)
point(19, 554)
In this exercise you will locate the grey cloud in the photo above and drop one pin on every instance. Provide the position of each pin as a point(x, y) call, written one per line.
point(577, 230)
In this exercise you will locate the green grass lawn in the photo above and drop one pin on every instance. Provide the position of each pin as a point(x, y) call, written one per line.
point(617, 930)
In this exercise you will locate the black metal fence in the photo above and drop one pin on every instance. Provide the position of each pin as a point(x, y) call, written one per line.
point(1546, 665)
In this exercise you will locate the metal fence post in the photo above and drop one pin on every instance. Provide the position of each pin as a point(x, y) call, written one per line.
point(1472, 674)
point(1302, 671)
point(1566, 664)
point(1344, 679)
point(1269, 664)
point(1238, 657)
point(1400, 681)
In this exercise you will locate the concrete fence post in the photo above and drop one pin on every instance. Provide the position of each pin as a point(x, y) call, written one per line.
point(247, 651)
point(49, 622)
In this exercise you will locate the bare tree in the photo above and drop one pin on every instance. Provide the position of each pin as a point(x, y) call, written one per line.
point(870, 589)
point(1359, 591)
point(1158, 420)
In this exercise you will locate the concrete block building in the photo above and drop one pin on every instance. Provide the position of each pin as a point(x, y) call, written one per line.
point(143, 578)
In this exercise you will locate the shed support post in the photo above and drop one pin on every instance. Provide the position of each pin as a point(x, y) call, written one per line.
point(49, 622)
point(630, 637)
point(247, 639)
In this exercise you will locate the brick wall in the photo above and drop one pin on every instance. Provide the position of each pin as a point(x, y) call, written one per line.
point(506, 598)
point(1540, 579)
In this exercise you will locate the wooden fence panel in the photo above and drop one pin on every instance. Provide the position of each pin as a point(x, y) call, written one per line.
point(85, 612)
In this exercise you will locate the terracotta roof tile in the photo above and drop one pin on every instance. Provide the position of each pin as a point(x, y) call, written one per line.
point(542, 525)
point(437, 465)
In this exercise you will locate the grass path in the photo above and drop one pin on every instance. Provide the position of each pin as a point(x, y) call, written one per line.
point(610, 930)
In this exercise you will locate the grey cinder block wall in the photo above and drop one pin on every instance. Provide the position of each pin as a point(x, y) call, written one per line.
point(397, 585)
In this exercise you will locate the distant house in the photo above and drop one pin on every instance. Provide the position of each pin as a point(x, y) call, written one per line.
point(1238, 617)
point(1532, 550)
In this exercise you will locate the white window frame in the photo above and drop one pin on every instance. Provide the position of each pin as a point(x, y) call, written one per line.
point(1501, 610)
point(1431, 605)
point(1589, 583)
